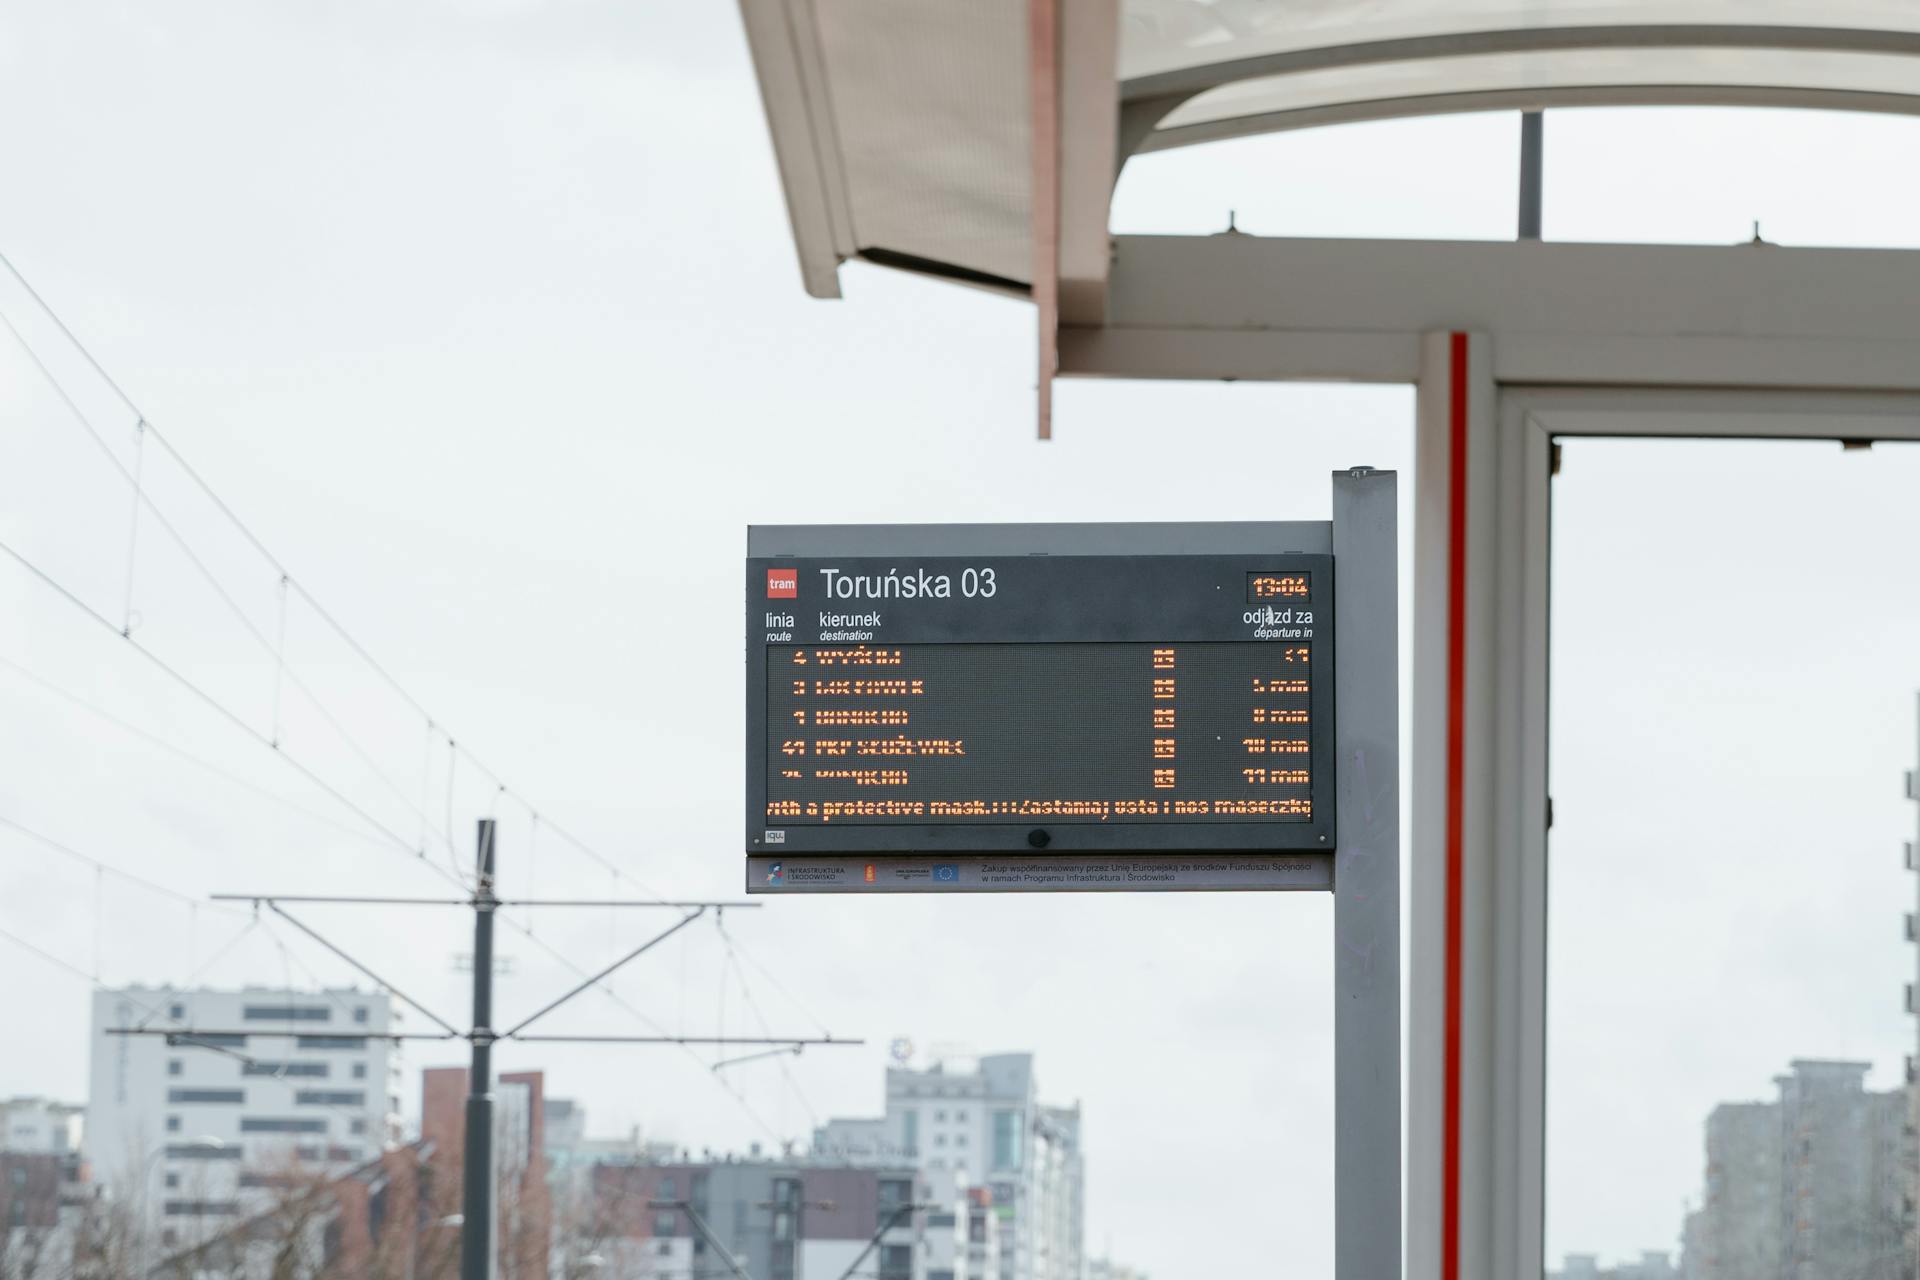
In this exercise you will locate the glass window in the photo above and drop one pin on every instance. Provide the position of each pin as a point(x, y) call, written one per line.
point(896, 1262)
point(173, 1124)
point(666, 1189)
point(910, 1131)
point(206, 1095)
point(272, 1124)
point(173, 1066)
point(283, 1069)
point(1006, 1139)
point(331, 1042)
point(894, 1192)
point(210, 1040)
point(359, 1071)
point(663, 1224)
point(286, 1013)
point(1725, 879)
point(360, 1013)
point(177, 1012)
point(330, 1098)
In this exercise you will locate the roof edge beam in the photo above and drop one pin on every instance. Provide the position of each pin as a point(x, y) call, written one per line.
point(1252, 307)
point(1185, 82)
point(1149, 139)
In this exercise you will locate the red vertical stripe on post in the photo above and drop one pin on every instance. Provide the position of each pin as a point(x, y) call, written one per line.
point(1456, 784)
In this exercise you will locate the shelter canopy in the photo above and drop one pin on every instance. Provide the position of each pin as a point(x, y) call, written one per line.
point(980, 140)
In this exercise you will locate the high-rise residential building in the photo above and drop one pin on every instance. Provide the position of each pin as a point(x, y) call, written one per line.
point(1740, 1208)
point(1815, 1184)
point(1108, 1269)
point(983, 1121)
point(1843, 1179)
point(191, 1130)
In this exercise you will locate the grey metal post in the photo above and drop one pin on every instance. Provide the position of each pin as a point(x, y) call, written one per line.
point(1366, 877)
point(1533, 159)
point(1913, 999)
point(477, 1245)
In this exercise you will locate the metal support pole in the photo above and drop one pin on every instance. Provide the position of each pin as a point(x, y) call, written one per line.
point(1366, 878)
point(1913, 995)
point(1533, 159)
point(477, 1245)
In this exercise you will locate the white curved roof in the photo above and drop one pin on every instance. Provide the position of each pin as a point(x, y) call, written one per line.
point(906, 129)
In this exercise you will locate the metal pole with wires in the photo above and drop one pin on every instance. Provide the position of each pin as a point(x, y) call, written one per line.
point(477, 1195)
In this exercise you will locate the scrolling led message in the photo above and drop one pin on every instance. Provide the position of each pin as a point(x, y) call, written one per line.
point(1047, 702)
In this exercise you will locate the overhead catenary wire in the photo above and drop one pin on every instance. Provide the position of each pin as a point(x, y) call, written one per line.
point(178, 1034)
point(740, 950)
point(289, 956)
point(291, 586)
point(199, 762)
point(289, 581)
point(51, 958)
point(226, 712)
point(133, 519)
point(740, 1100)
point(194, 975)
point(753, 1007)
point(200, 565)
point(102, 868)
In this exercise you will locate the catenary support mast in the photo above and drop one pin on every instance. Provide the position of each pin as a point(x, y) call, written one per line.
point(477, 1251)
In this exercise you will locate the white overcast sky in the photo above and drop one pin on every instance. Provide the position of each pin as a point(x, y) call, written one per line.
point(483, 315)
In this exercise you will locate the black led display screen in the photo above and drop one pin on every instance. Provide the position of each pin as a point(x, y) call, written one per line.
point(1064, 703)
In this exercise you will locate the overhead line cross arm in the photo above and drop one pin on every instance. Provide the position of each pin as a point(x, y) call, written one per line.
point(363, 900)
point(634, 954)
point(201, 1037)
point(705, 1232)
point(787, 1044)
point(279, 911)
point(893, 1220)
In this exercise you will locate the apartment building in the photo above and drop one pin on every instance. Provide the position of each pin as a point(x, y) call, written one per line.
point(189, 1130)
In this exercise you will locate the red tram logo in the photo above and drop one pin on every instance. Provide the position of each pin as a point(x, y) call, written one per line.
point(783, 584)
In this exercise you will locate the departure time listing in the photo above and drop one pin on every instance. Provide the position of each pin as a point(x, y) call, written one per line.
point(1215, 731)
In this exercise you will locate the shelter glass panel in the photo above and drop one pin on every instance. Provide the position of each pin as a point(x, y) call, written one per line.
point(1734, 632)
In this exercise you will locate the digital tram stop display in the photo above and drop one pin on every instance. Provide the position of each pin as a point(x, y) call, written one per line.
point(1020, 704)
